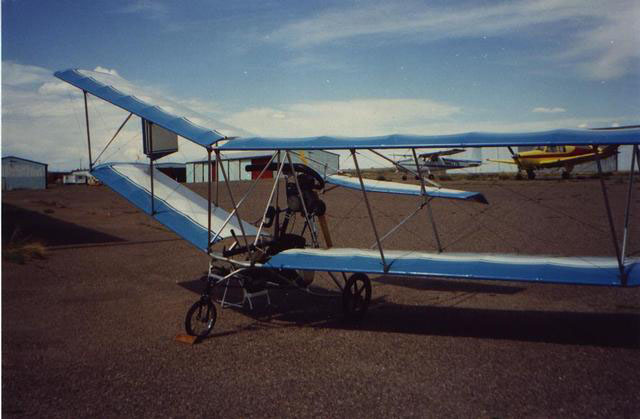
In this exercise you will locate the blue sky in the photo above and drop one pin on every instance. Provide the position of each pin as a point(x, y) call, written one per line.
point(310, 68)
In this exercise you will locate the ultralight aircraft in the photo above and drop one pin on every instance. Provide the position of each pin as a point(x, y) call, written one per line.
point(271, 252)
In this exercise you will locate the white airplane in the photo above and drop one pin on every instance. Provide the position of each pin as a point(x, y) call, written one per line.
point(433, 161)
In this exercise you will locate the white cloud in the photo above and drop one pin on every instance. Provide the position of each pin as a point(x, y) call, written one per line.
point(106, 70)
point(358, 117)
point(542, 109)
point(14, 74)
point(603, 45)
point(43, 119)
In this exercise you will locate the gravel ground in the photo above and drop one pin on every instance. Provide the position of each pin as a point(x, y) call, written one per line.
point(89, 330)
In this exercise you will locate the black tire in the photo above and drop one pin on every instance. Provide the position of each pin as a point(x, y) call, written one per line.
point(356, 296)
point(201, 318)
point(566, 175)
point(531, 174)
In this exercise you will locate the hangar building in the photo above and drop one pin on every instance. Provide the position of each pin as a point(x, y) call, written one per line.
point(235, 165)
point(19, 173)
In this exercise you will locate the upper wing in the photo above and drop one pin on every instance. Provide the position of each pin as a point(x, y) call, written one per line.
point(471, 139)
point(403, 189)
point(169, 115)
point(563, 270)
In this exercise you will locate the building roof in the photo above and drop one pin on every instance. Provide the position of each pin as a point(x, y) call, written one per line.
point(170, 165)
point(27, 160)
point(240, 155)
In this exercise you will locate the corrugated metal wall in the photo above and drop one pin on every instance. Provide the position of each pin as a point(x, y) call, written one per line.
point(21, 174)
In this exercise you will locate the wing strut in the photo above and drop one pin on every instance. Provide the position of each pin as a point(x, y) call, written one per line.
point(623, 276)
point(233, 202)
point(427, 201)
point(366, 201)
point(273, 190)
point(312, 229)
point(86, 117)
point(153, 210)
point(209, 202)
point(236, 206)
point(114, 137)
point(627, 212)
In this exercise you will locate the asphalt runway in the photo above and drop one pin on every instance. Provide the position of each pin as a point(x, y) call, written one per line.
point(89, 330)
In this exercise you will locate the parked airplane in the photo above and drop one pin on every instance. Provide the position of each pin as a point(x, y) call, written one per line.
point(433, 161)
point(551, 156)
point(259, 259)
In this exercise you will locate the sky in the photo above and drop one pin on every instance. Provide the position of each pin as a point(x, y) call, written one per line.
point(292, 68)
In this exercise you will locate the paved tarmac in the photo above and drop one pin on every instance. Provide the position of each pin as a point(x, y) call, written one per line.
point(89, 331)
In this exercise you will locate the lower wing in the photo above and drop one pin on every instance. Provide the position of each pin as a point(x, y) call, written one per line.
point(403, 189)
point(561, 270)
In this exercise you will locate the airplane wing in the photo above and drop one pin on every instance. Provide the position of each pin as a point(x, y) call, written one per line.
point(573, 160)
point(167, 114)
point(561, 270)
point(502, 161)
point(371, 185)
point(448, 152)
point(470, 139)
point(176, 207)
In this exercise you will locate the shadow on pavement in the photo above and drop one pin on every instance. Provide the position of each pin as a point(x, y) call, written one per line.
point(21, 223)
point(297, 308)
point(430, 284)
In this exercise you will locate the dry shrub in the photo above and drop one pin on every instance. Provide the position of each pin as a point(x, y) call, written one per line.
point(22, 250)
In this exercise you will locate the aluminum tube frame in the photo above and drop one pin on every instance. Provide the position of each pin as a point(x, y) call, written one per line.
point(627, 211)
point(273, 190)
point(86, 117)
point(366, 201)
point(209, 202)
point(307, 217)
point(340, 286)
point(233, 202)
point(236, 207)
point(623, 277)
point(113, 138)
point(325, 165)
point(427, 201)
point(153, 204)
point(407, 218)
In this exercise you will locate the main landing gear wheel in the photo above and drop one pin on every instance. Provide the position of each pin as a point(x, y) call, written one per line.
point(356, 296)
point(531, 174)
point(201, 318)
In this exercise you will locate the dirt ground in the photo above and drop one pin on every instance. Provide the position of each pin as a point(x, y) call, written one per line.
point(89, 330)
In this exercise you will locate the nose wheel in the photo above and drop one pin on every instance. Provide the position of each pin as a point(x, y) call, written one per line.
point(201, 318)
point(356, 296)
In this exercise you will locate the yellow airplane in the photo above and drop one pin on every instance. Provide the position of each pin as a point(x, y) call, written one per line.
point(566, 156)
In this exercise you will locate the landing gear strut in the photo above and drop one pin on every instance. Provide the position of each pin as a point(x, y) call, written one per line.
point(356, 296)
